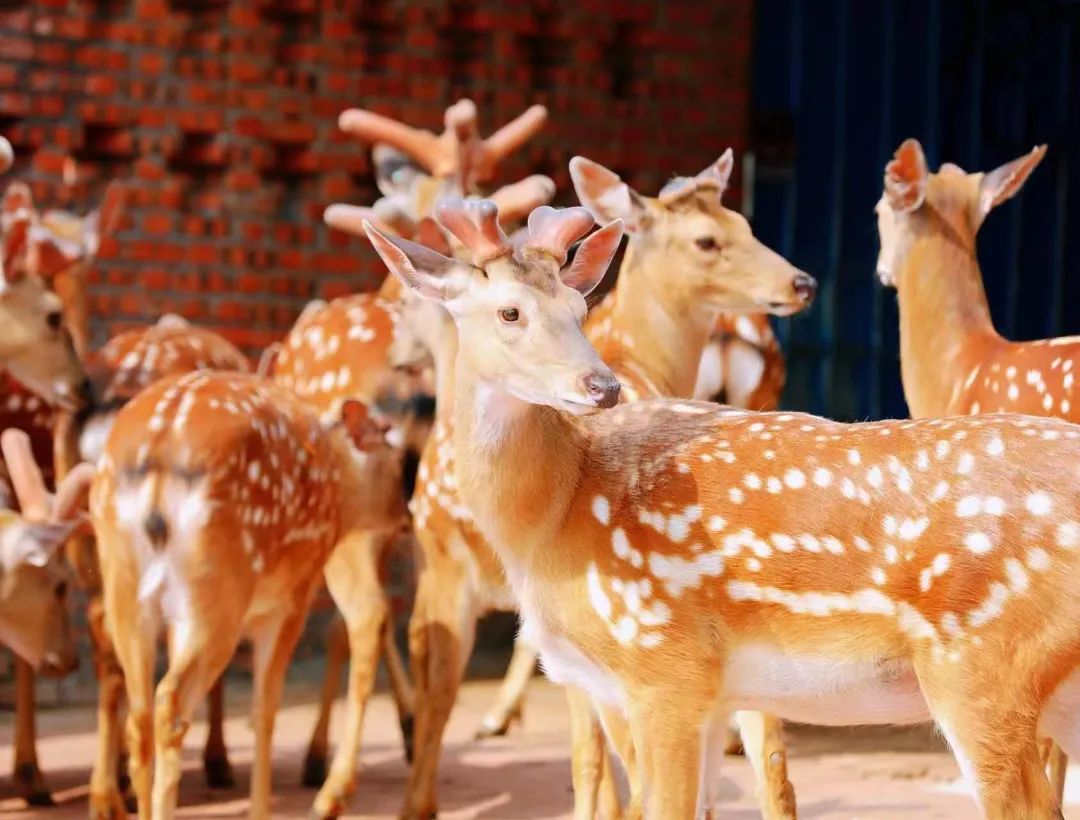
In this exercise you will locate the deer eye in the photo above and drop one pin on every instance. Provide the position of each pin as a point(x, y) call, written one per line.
point(706, 243)
point(509, 315)
point(54, 319)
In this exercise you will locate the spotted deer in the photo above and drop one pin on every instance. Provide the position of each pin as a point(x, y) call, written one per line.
point(927, 225)
point(128, 363)
point(221, 475)
point(888, 572)
point(33, 590)
point(338, 350)
point(654, 325)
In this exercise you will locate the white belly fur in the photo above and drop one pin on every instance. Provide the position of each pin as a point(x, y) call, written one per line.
point(823, 691)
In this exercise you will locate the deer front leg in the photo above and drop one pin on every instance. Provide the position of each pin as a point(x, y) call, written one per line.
point(400, 686)
point(28, 780)
point(337, 655)
point(617, 730)
point(667, 733)
point(441, 635)
point(587, 751)
point(762, 738)
point(507, 707)
point(216, 767)
point(352, 577)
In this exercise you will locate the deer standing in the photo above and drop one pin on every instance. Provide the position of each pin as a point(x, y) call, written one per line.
point(337, 351)
point(127, 364)
point(927, 225)
point(868, 573)
point(33, 589)
point(661, 312)
point(210, 476)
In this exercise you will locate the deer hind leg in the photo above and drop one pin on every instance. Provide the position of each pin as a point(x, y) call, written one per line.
point(110, 787)
point(195, 663)
point(27, 775)
point(352, 577)
point(996, 743)
point(1057, 769)
point(216, 767)
point(441, 634)
point(507, 707)
point(273, 642)
point(617, 730)
point(763, 740)
point(337, 655)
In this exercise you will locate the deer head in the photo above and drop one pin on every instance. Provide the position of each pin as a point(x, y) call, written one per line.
point(914, 200)
point(35, 342)
point(518, 311)
point(718, 259)
point(33, 577)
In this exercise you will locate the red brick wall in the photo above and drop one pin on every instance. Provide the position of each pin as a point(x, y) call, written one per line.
point(223, 116)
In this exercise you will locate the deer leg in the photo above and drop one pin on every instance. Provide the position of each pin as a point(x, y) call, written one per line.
point(353, 580)
point(996, 747)
point(586, 757)
point(668, 743)
point(216, 767)
point(1057, 768)
point(337, 654)
point(135, 646)
point(194, 666)
point(28, 779)
point(273, 647)
point(617, 730)
point(441, 634)
point(507, 707)
point(763, 741)
point(400, 685)
point(110, 787)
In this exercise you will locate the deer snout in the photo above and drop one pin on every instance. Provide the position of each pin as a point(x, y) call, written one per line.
point(602, 387)
point(805, 287)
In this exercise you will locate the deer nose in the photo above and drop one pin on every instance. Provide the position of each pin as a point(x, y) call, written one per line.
point(805, 287)
point(603, 388)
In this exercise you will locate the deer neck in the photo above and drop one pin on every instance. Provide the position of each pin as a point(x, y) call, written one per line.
point(945, 323)
point(517, 465)
point(662, 325)
point(444, 357)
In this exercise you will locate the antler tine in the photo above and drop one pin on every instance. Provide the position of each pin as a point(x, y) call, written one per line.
point(554, 231)
point(418, 143)
point(475, 223)
point(71, 495)
point(25, 475)
point(386, 216)
point(509, 138)
point(7, 155)
point(517, 200)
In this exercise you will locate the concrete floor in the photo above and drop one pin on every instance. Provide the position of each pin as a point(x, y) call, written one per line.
point(838, 774)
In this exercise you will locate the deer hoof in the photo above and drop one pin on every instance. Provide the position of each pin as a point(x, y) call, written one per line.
point(31, 785)
point(219, 773)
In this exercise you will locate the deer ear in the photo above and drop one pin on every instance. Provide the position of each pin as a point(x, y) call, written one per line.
point(592, 258)
point(428, 272)
point(365, 430)
point(1003, 183)
point(719, 173)
point(606, 196)
point(105, 221)
point(906, 177)
point(14, 252)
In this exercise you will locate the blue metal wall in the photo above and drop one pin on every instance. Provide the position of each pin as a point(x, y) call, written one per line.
point(837, 85)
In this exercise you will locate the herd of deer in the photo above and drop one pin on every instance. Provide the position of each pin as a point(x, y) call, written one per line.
point(673, 561)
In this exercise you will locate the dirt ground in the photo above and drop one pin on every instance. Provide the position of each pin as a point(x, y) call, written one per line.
point(838, 774)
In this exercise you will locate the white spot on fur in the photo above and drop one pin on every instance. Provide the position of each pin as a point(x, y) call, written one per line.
point(601, 509)
point(1038, 503)
point(978, 542)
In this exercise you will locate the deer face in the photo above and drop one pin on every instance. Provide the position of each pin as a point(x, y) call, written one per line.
point(951, 199)
point(518, 313)
point(706, 249)
point(33, 594)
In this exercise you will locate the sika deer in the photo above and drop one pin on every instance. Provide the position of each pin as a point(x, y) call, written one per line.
point(213, 476)
point(743, 364)
point(884, 573)
point(927, 225)
point(33, 597)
